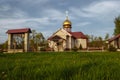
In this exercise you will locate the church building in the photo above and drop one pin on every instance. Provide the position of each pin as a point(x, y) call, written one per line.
point(64, 39)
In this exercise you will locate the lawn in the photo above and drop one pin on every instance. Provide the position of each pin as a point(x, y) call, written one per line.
point(60, 66)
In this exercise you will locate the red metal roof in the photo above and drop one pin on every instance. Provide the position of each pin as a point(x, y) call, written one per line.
point(78, 35)
point(23, 30)
point(74, 34)
point(113, 38)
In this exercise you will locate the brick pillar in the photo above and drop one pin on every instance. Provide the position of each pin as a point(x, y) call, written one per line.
point(70, 42)
point(9, 41)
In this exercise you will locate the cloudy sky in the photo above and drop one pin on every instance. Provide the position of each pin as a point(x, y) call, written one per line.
point(93, 17)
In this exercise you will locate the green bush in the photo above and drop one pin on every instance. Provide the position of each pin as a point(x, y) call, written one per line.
point(80, 47)
point(1, 50)
point(43, 49)
point(112, 48)
point(67, 49)
point(75, 49)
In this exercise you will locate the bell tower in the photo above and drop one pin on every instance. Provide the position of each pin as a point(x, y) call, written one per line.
point(67, 23)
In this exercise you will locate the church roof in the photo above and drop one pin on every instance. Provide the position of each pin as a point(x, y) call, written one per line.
point(78, 35)
point(23, 30)
point(113, 38)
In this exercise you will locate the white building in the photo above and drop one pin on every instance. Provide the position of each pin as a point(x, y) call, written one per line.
point(64, 38)
point(115, 42)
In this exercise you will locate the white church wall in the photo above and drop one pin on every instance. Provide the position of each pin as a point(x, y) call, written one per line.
point(113, 43)
point(73, 42)
point(83, 43)
point(64, 44)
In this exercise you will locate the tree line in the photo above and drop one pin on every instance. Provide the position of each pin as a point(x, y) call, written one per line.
point(37, 40)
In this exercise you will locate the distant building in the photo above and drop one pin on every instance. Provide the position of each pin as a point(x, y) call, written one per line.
point(115, 42)
point(64, 38)
point(18, 40)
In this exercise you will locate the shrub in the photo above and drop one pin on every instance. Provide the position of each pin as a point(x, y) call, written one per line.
point(67, 49)
point(49, 49)
point(75, 49)
point(1, 50)
point(80, 47)
point(112, 48)
point(43, 49)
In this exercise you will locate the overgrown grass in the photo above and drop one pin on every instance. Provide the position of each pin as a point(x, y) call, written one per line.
point(60, 66)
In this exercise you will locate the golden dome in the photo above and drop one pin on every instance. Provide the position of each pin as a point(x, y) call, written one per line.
point(67, 24)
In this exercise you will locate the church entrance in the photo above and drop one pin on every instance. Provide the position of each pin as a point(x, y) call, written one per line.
point(58, 43)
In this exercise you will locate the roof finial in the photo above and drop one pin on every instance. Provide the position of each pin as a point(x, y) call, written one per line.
point(66, 14)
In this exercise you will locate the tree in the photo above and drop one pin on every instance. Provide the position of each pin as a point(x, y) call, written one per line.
point(117, 26)
point(95, 41)
point(39, 39)
point(106, 36)
point(19, 40)
point(36, 39)
point(4, 46)
point(106, 41)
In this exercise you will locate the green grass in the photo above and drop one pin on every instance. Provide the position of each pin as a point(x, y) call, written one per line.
point(60, 66)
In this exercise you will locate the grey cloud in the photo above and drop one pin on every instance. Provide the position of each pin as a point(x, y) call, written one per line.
point(47, 16)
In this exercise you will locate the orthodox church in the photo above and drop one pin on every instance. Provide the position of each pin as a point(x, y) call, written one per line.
point(65, 39)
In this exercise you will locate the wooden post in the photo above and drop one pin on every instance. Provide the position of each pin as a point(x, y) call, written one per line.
point(26, 42)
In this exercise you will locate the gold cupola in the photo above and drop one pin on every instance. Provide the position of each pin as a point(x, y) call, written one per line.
point(67, 24)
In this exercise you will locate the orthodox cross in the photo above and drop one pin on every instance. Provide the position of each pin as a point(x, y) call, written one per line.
point(66, 14)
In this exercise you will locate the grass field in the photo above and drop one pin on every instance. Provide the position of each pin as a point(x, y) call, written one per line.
point(60, 66)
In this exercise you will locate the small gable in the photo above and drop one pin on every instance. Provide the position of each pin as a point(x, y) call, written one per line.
point(61, 33)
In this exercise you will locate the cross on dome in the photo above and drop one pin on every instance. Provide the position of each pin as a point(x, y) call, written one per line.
point(66, 14)
point(67, 25)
